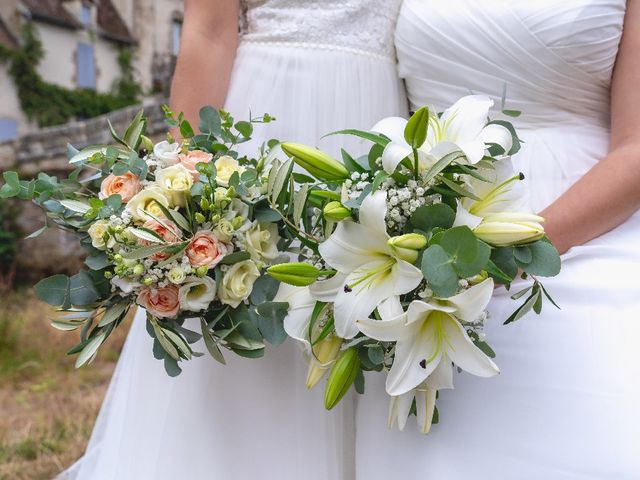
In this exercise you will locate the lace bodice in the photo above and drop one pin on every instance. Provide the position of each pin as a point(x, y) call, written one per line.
point(359, 25)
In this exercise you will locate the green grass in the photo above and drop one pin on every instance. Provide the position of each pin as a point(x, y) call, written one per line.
point(47, 407)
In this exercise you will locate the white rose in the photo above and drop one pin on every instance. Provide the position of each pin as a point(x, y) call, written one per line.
point(237, 283)
point(225, 167)
point(98, 232)
point(147, 201)
point(224, 230)
point(261, 241)
point(176, 275)
point(176, 183)
point(166, 153)
point(197, 293)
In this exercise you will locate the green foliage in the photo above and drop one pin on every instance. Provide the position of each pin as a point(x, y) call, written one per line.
point(49, 104)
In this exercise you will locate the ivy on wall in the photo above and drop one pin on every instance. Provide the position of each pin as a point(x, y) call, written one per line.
point(49, 104)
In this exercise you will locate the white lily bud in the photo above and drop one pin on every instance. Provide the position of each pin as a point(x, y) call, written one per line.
point(510, 228)
point(408, 246)
point(325, 353)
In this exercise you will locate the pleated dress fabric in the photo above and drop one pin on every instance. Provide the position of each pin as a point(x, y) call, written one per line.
point(565, 404)
point(317, 67)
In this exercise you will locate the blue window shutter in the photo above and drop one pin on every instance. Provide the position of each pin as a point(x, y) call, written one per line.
point(8, 129)
point(86, 66)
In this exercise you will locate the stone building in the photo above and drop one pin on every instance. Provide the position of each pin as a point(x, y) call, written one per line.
point(81, 41)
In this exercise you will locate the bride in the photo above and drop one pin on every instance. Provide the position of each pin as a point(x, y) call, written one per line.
point(566, 403)
point(317, 67)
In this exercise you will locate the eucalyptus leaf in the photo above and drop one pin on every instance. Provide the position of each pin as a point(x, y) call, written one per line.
point(270, 321)
point(210, 121)
point(82, 291)
point(54, 290)
point(431, 216)
point(545, 261)
point(437, 268)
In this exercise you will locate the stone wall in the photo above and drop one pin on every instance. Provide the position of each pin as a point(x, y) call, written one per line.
point(45, 150)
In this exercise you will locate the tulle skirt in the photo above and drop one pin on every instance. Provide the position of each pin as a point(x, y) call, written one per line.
point(250, 418)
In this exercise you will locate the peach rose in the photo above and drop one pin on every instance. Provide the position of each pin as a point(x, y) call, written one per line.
point(160, 302)
point(170, 235)
point(126, 186)
point(205, 249)
point(190, 159)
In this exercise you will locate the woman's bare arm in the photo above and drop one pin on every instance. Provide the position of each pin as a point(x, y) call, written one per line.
point(207, 51)
point(610, 192)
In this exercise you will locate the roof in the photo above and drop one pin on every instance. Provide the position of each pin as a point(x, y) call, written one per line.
point(6, 37)
point(110, 24)
point(51, 11)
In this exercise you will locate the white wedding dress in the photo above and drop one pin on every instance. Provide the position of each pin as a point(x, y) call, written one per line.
point(318, 66)
point(565, 406)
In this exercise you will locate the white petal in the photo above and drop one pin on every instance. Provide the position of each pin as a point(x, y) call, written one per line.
point(443, 148)
point(326, 290)
point(417, 356)
point(390, 308)
point(372, 215)
point(497, 134)
point(399, 409)
point(418, 310)
point(301, 304)
point(385, 330)
point(464, 218)
point(393, 154)
point(392, 127)
point(466, 118)
point(425, 406)
point(360, 301)
point(442, 377)
point(464, 353)
point(471, 303)
point(474, 151)
point(351, 246)
point(405, 277)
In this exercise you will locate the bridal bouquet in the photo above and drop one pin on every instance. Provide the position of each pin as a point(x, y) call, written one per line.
point(400, 252)
point(182, 229)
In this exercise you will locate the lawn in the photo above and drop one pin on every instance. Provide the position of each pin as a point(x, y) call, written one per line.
point(47, 407)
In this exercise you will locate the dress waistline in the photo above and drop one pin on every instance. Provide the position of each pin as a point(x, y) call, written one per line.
point(318, 46)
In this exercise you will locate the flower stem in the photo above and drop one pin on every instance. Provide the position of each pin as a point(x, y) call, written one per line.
point(415, 163)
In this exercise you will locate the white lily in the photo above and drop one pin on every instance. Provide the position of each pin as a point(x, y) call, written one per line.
point(368, 269)
point(463, 126)
point(501, 193)
point(400, 408)
point(301, 304)
point(429, 337)
point(498, 216)
point(297, 322)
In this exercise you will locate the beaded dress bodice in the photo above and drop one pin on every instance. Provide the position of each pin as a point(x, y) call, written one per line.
point(358, 25)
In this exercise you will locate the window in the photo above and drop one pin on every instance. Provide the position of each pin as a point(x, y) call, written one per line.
point(8, 129)
point(85, 14)
point(176, 31)
point(85, 66)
